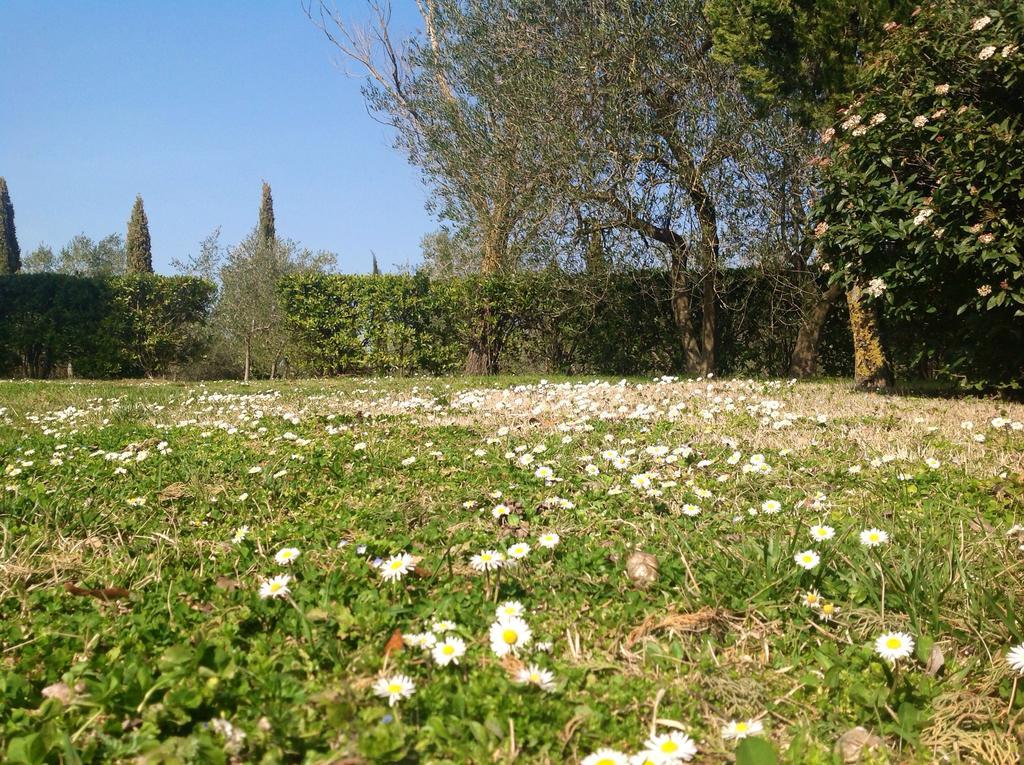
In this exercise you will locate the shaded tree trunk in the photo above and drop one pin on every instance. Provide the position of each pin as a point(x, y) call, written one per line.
point(483, 350)
point(871, 370)
point(709, 321)
point(482, 358)
point(681, 313)
point(804, 360)
point(248, 352)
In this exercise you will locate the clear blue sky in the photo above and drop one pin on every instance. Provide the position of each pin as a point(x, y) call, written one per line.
point(191, 103)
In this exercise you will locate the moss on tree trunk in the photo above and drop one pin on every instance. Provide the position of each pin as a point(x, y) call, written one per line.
point(871, 369)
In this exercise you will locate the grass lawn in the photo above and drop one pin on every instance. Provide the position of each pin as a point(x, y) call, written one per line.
point(676, 564)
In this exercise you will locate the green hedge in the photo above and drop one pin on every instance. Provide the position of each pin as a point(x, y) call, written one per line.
point(547, 321)
point(122, 326)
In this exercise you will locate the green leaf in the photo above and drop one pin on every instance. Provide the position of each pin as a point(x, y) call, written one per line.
point(756, 751)
point(26, 750)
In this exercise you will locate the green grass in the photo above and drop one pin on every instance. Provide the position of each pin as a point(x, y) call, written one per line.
point(721, 634)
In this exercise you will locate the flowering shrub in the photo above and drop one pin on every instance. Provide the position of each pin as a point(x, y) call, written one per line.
point(921, 200)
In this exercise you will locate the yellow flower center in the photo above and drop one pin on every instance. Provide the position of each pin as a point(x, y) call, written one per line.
point(669, 746)
point(893, 642)
point(606, 761)
point(275, 586)
point(510, 636)
point(448, 650)
point(741, 727)
point(394, 688)
point(395, 565)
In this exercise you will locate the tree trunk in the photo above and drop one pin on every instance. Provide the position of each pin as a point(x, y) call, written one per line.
point(248, 357)
point(804, 361)
point(483, 355)
point(482, 358)
point(709, 321)
point(681, 314)
point(871, 368)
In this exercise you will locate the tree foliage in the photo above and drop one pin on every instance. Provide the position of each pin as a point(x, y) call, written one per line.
point(138, 248)
point(81, 256)
point(802, 55)
point(266, 227)
point(10, 253)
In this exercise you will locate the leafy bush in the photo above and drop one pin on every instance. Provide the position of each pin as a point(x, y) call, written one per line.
point(101, 327)
point(347, 324)
point(50, 319)
point(547, 321)
point(922, 193)
point(159, 318)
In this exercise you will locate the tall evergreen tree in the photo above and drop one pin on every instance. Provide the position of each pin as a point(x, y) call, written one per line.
point(267, 230)
point(10, 254)
point(376, 268)
point(138, 247)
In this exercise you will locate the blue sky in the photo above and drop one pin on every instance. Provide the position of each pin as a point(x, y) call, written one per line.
point(191, 103)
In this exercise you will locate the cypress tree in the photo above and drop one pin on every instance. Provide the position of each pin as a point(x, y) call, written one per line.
point(376, 268)
point(10, 253)
point(138, 247)
point(267, 231)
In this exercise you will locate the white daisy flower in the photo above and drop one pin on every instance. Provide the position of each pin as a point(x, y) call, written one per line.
point(641, 481)
point(509, 608)
point(425, 640)
point(286, 555)
point(811, 599)
point(675, 745)
point(518, 551)
point(394, 688)
point(275, 587)
point(508, 635)
point(893, 646)
point(822, 533)
point(650, 757)
point(873, 537)
point(1015, 658)
point(605, 757)
point(397, 566)
point(449, 651)
point(549, 540)
point(487, 560)
point(737, 729)
point(807, 559)
point(534, 675)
